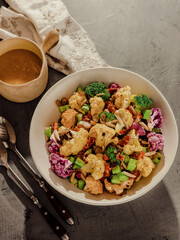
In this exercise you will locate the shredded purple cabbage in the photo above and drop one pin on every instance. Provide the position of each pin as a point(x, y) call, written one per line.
point(61, 166)
point(139, 129)
point(114, 85)
point(155, 119)
point(156, 141)
point(54, 148)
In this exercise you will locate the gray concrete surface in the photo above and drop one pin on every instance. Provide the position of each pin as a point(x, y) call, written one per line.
point(142, 36)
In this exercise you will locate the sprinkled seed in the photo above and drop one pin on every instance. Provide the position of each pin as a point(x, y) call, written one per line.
point(83, 101)
point(110, 125)
point(64, 131)
point(132, 110)
point(100, 94)
point(144, 142)
point(106, 110)
point(92, 123)
point(113, 121)
point(48, 143)
point(149, 153)
point(144, 126)
point(129, 174)
point(82, 176)
point(72, 176)
point(124, 165)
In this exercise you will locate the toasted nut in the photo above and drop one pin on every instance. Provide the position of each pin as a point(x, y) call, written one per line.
point(72, 177)
point(92, 123)
point(64, 131)
point(129, 174)
point(98, 150)
point(110, 125)
point(144, 126)
point(149, 153)
point(49, 143)
point(82, 176)
point(124, 165)
point(58, 103)
point(83, 101)
point(95, 118)
point(64, 101)
point(113, 121)
point(132, 110)
point(103, 118)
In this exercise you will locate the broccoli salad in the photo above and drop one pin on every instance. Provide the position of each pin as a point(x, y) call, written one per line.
point(106, 139)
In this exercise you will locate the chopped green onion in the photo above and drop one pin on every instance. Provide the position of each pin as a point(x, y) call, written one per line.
point(63, 108)
point(156, 160)
point(80, 89)
point(116, 170)
point(126, 159)
point(132, 164)
point(122, 177)
point(156, 130)
point(89, 151)
point(81, 184)
point(79, 117)
point(48, 132)
point(74, 181)
point(146, 114)
point(115, 180)
point(79, 162)
point(72, 159)
point(137, 110)
point(75, 166)
point(85, 108)
point(144, 149)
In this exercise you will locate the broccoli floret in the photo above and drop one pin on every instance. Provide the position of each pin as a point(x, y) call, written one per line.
point(142, 102)
point(109, 116)
point(111, 152)
point(95, 88)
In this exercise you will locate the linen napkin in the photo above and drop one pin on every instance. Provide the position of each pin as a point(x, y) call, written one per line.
point(33, 19)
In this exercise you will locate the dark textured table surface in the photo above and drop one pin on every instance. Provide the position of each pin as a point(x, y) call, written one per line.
point(144, 37)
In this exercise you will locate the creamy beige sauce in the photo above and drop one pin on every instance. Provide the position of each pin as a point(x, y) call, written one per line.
point(19, 66)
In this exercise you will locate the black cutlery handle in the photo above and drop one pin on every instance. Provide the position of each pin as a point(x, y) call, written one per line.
point(63, 212)
point(54, 224)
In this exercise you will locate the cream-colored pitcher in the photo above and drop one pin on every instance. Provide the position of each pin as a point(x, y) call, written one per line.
point(32, 89)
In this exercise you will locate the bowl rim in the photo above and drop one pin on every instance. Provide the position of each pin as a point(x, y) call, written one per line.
point(90, 201)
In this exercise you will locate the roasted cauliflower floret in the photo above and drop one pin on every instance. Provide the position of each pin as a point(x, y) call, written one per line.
point(125, 119)
point(123, 97)
point(93, 186)
point(76, 144)
point(118, 188)
point(145, 166)
point(133, 144)
point(69, 118)
point(129, 149)
point(95, 166)
point(97, 105)
point(103, 135)
point(75, 101)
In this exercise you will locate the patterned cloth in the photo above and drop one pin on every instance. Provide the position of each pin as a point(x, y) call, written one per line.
point(33, 19)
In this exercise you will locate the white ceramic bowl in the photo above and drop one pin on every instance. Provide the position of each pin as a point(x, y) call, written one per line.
point(47, 112)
